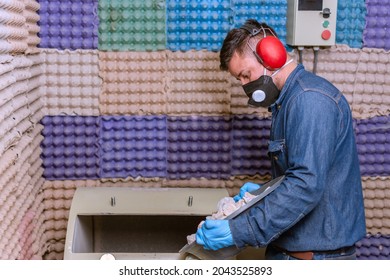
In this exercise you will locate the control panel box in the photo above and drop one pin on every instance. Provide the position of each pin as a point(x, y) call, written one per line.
point(311, 22)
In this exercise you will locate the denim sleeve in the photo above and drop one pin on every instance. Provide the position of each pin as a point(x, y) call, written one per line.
point(311, 127)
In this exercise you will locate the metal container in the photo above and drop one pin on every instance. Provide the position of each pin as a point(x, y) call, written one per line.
point(135, 223)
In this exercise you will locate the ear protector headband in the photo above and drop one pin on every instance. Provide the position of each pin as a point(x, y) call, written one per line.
point(270, 51)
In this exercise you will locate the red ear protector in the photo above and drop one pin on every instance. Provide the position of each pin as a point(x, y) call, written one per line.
point(270, 51)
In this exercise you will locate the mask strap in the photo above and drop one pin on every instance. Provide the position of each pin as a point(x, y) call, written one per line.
point(249, 45)
point(253, 51)
point(277, 71)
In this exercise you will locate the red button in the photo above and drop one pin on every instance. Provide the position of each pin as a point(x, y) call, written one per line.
point(326, 34)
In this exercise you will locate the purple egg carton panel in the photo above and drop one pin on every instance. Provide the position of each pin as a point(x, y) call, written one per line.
point(69, 147)
point(199, 147)
point(133, 146)
point(373, 143)
point(82, 147)
point(68, 24)
point(250, 137)
point(373, 247)
point(376, 33)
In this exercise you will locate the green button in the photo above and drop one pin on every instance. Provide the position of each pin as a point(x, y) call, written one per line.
point(325, 24)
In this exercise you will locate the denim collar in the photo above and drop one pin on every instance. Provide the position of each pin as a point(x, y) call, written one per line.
point(290, 80)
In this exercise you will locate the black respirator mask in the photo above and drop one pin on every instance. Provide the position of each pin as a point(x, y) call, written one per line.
point(263, 92)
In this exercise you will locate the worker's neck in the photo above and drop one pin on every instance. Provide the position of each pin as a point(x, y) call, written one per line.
point(281, 77)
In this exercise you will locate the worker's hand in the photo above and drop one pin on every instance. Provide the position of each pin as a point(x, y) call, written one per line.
point(247, 187)
point(214, 235)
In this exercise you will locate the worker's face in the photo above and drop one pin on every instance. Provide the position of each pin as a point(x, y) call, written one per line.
point(257, 85)
point(245, 68)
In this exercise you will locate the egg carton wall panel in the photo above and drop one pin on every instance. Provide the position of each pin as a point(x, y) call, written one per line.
point(377, 204)
point(375, 33)
point(133, 83)
point(132, 25)
point(199, 147)
point(195, 85)
point(133, 146)
point(250, 136)
point(373, 247)
point(14, 34)
point(372, 138)
point(351, 21)
point(273, 12)
point(71, 84)
point(68, 24)
point(196, 25)
point(70, 147)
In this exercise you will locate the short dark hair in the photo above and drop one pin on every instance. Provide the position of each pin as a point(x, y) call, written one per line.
point(237, 39)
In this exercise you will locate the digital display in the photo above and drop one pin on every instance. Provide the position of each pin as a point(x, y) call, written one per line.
point(310, 5)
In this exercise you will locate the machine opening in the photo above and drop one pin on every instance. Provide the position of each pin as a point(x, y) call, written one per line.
point(132, 233)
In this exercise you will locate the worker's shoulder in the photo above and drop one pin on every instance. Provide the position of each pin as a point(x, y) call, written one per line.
point(311, 82)
point(314, 86)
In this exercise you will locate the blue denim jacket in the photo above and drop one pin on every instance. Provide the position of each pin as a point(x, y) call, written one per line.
point(319, 205)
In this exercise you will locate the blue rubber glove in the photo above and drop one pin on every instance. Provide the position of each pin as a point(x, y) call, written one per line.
point(214, 235)
point(247, 187)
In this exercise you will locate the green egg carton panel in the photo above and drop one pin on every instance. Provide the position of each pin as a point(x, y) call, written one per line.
point(136, 25)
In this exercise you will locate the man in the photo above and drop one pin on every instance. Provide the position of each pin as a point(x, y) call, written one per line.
point(317, 212)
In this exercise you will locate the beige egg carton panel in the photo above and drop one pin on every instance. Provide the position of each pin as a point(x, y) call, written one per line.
point(58, 197)
point(187, 83)
point(31, 243)
point(361, 74)
point(377, 204)
point(372, 89)
point(70, 82)
point(174, 83)
point(21, 181)
point(55, 250)
point(196, 85)
point(32, 18)
point(38, 243)
point(133, 82)
point(21, 105)
point(138, 182)
point(19, 32)
point(232, 185)
point(57, 200)
point(21, 160)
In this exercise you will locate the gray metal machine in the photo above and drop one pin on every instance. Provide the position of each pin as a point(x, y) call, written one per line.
point(135, 223)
